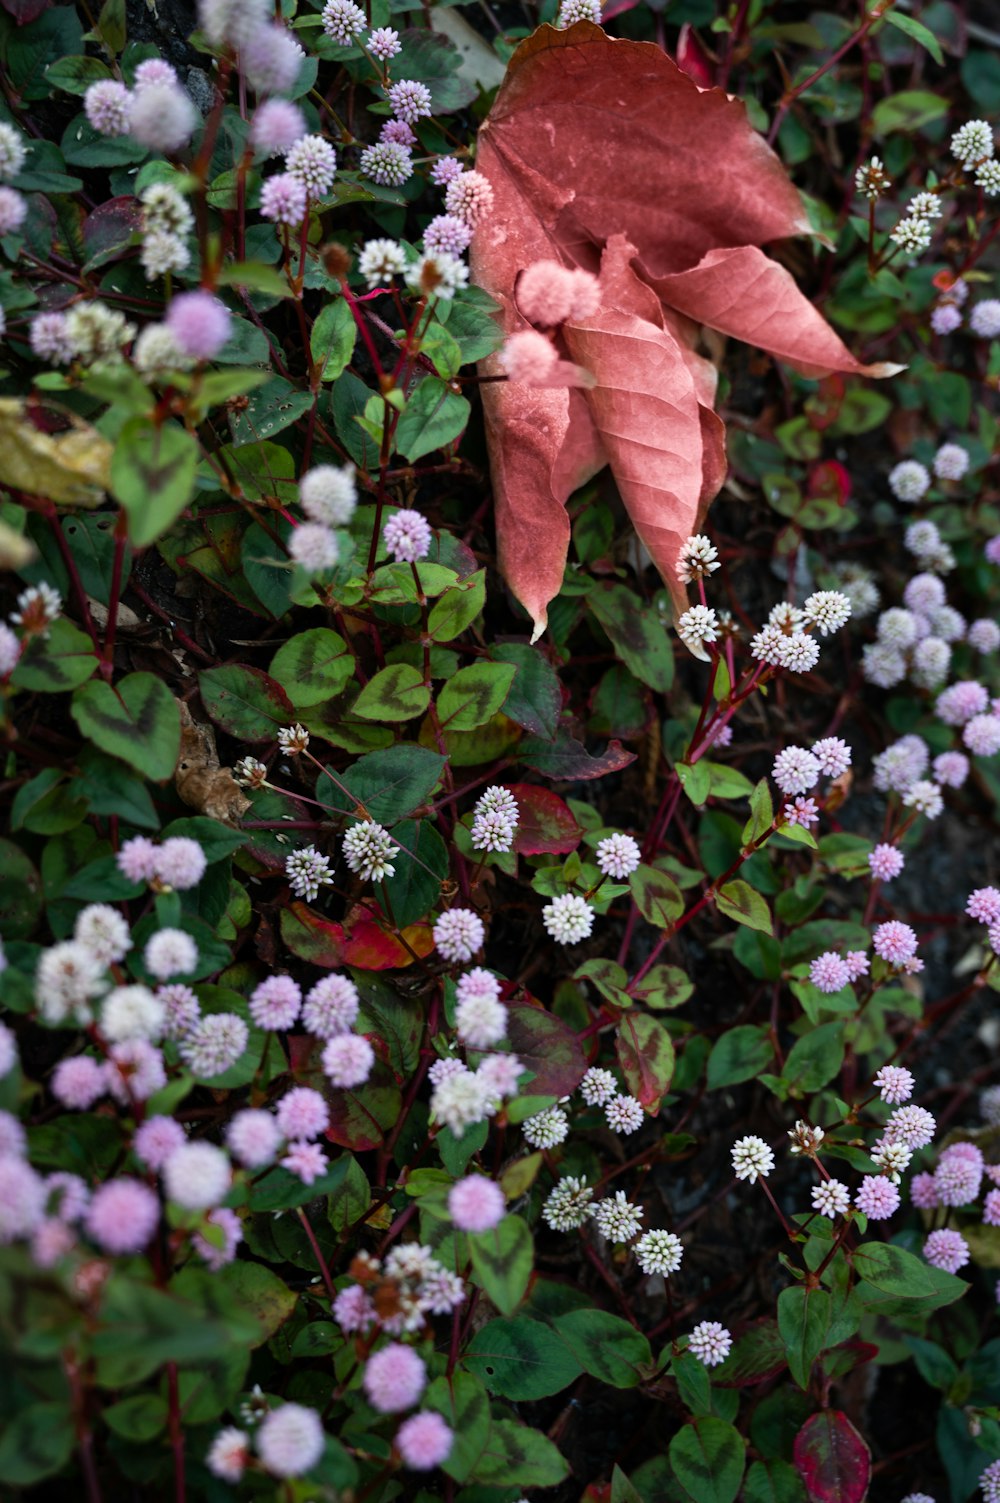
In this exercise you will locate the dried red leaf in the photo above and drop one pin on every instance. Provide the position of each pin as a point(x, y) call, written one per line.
point(604, 154)
point(371, 947)
point(832, 1459)
point(545, 823)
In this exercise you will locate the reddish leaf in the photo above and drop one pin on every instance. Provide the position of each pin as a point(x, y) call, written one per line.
point(757, 1355)
point(832, 1459)
point(25, 11)
point(548, 1046)
point(604, 153)
point(108, 230)
point(692, 57)
point(312, 938)
point(360, 1119)
point(646, 1054)
point(829, 481)
point(545, 824)
point(569, 761)
point(371, 947)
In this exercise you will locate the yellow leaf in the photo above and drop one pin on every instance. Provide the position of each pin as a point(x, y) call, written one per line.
point(69, 465)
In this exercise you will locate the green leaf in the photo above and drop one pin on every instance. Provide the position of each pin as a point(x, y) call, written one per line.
point(517, 1455)
point(893, 1270)
point(260, 1292)
point(740, 1054)
point(138, 721)
point(394, 693)
point(739, 901)
point(535, 698)
point(502, 1260)
point(333, 337)
point(255, 276)
point(474, 695)
point(814, 1059)
point(707, 1458)
point(36, 1443)
point(657, 896)
point(520, 1358)
point(918, 32)
point(60, 661)
point(696, 781)
point(907, 111)
point(457, 608)
point(773, 1482)
point(416, 887)
point(270, 409)
point(646, 1054)
point(810, 1321)
point(463, 1403)
point(245, 702)
point(278, 1190)
point(312, 667)
point(606, 1346)
point(434, 416)
point(152, 475)
point(74, 75)
point(636, 633)
point(140, 1418)
point(390, 784)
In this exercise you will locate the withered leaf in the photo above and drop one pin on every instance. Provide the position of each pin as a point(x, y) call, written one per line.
point(604, 155)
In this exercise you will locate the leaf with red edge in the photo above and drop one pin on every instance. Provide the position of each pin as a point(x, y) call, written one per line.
point(360, 1119)
point(548, 1046)
point(25, 11)
point(372, 947)
point(829, 481)
point(544, 822)
point(312, 938)
point(758, 1354)
point(109, 230)
point(692, 57)
point(646, 1054)
point(567, 760)
point(603, 152)
point(832, 1459)
point(245, 702)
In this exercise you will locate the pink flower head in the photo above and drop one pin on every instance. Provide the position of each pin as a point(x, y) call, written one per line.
point(229, 1454)
point(410, 101)
point(302, 1113)
point(353, 1310)
point(951, 768)
point(290, 1440)
point(283, 199)
point(68, 1196)
point(14, 1139)
point(23, 1195)
point(276, 1003)
point(78, 1081)
point(923, 1192)
point(199, 323)
point(348, 1060)
point(458, 934)
point(134, 1071)
point(795, 770)
point(856, 962)
point(945, 318)
point(946, 1249)
point(398, 133)
point(476, 1204)
point(911, 1125)
point(407, 536)
point(895, 942)
point(545, 291)
point(960, 702)
point(982, 735)
point(445, 170)
point(447, 233)
point(108, 107)
point(885, 862)
point(122, 1216)
point(984, 905)
point(52, 1240)
point(394, 1378)
point(801, 811)
point(424, 1441)
point(153, 71)
point(877, 1197)
point(959, 1174)
point(137, 859)
point(13, 210)
point(833, 756)
point(991, 551)
point(331, 1006)
point(828, 972)
point(162, 118)
point(277, 125)
point(469, 197)
point(231, 1228)
point(271, 59)
point(991, 1208)
point(156, 1140)
point(181, 862)
point(253, 1137)
point(894, 1084)
point(529, 357)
